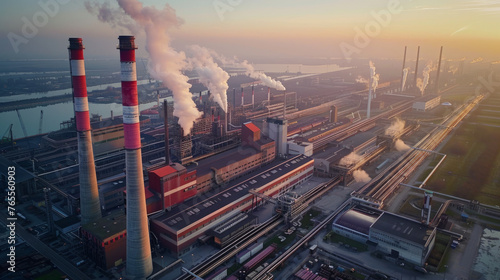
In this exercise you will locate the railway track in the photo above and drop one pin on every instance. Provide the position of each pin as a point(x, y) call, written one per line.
point(382, 186)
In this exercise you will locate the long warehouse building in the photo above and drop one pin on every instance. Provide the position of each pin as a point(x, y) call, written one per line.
point(180, 228)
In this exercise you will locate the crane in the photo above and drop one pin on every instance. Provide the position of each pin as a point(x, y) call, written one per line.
point(22, 123)
point(8, 138)
point(40, 124)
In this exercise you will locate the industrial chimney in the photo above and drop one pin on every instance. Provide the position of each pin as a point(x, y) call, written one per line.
point(139, 262)
point(403, 70)
point(253, 98)
point(242, 98)
point(416, 67)
point(268, 96)
point(167, 136)
point(89, 193)
point(439, 70)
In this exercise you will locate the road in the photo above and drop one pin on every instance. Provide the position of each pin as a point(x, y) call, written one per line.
point(65, 266)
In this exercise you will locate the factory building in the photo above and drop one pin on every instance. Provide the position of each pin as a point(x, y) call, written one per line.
point(300, 148)
point(426, 103)
point(185, 224)
point(104, 241)
point(174, 184)
point(277, 130)
point(394, 235)
point(255, 151)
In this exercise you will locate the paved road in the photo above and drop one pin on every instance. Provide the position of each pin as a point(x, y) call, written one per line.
point(66, 267)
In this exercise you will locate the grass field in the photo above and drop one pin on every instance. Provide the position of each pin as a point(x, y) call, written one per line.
point(471, 170)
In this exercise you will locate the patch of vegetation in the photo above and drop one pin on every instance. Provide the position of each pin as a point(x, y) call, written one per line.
point(469, 171)
point(233, 268)
point(275, 239)
point(308, 216)
point(53, 274)
point(438, 252)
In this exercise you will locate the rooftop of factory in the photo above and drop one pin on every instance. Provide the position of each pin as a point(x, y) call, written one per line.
point(426, 98)
point(107, 226)
point(358, 219)
point(222, 159)
point(193, 210)
point(21, 174)
point(403, 228)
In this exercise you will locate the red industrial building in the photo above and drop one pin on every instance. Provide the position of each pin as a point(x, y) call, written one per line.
point(181, 227)
point(173, 183)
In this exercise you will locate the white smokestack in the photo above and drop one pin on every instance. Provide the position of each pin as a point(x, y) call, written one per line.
point(165, 64)
point(360, 176)
point(210, 74)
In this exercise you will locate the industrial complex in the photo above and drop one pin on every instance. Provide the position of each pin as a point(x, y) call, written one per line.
point(263, 182)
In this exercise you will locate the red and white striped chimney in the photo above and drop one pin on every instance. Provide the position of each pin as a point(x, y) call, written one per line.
point(89, 193)
point(139, 262)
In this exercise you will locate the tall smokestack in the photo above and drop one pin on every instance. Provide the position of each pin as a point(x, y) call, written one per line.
point(416, 67)
point(242, 98)
point(284, 105)
point(439, 70)
point(268, 96)
point(167, 136)
point(234, 98)
point(89, 193)
point(253, 98)
point(370, 92)
point(403, 69)
point(139, 262)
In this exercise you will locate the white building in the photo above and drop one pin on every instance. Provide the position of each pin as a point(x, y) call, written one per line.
point(427, 103)
point(300, 148)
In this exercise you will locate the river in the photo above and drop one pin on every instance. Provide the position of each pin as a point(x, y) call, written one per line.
point(54, 114)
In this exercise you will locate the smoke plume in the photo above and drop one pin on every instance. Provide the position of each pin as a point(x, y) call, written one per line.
point(405, 75)
point(374, 77)
point(360, 176)
point(350, 159)
point(165, 64)
point(401, 146)
point(422, 84)
point(210, 74)
point(361, 80)
point(396, 127)
point(266, 80)
point(250, 71)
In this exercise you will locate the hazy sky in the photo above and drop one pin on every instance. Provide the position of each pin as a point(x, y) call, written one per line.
point(261, 30)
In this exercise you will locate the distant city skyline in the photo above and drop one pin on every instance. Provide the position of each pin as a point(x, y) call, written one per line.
point(262, 30)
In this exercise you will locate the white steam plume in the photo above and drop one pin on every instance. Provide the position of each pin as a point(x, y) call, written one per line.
point(422, 84)
point(165, 64)
point(350, 159)
point(405, 75)
point(397, 126)
point(374, 77)
point(266, 80)
point(250, 71)
point(401, 146)
point(210, 74)
point(361, 80)
point(361, 176)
